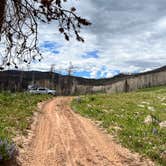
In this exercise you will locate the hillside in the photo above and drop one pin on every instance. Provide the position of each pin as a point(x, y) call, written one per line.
point(135, 119)
point(19, 80)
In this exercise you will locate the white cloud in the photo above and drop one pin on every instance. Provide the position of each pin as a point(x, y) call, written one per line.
point(130, 36)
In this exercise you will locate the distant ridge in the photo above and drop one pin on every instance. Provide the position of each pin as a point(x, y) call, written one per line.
point(8, 76)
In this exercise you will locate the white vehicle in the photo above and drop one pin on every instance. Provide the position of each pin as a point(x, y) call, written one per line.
point(42, 91)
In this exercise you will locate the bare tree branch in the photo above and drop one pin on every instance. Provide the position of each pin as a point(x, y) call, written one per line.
point(19, 27)
point(2, 12)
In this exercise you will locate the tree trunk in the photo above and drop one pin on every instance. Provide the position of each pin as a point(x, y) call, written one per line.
point(2, 12)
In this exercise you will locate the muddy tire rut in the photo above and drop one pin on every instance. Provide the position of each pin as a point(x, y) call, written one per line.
point(64, 138)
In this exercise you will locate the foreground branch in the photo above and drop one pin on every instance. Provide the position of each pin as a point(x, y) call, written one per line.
point(19, 27)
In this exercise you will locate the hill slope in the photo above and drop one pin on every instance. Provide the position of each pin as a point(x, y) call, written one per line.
point(18, 80)
point(135, 119)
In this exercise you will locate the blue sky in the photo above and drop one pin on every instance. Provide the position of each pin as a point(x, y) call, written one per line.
point(85, 74)
point(126, 36)
point(51, 46)
point(91, 54)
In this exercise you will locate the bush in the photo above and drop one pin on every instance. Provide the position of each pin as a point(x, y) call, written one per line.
point(7, 150)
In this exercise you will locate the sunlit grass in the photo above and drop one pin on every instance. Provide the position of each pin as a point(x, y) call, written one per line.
point(16, 110)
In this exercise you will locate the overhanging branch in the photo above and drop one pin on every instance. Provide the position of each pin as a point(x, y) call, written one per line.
point(19, 27)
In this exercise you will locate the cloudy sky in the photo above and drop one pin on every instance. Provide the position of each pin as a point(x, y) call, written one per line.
point(126, 36)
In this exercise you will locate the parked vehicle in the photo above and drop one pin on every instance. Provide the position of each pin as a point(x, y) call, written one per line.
point(42, 90)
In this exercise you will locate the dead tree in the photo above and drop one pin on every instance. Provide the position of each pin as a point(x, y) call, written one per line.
point(126, 86)
point(21, 79)
point(52, 74)
point(67, 84)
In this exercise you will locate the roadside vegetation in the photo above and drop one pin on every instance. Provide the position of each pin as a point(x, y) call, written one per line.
point(16, 110)
point(136, 119)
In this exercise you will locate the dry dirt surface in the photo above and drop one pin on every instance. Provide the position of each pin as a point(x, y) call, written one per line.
point(64, 138)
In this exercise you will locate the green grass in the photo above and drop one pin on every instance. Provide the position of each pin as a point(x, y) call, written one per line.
point(16, 110)
point(123, 116)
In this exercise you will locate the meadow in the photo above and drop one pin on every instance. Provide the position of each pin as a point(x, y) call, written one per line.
point(16, 111)
point(125, 115)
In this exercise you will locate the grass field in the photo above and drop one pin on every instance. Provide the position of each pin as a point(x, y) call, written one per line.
point(123, 116)
point(16, 110)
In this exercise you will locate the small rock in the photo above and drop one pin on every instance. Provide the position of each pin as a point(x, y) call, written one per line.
point(89, 105)
point(163, 99)
point(104, 110)
point(78, 99)
point(140, 105)
point(116, 128)
point(144, 102)
point(163, 155)
point(148, 119)
point(151, 108)
point(151, 119)
point(162, 124)
point(111, 110)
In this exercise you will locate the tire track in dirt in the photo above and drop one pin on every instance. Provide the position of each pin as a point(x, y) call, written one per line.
point(64, 138)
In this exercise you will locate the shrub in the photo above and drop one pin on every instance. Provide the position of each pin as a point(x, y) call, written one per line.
point(7, 150)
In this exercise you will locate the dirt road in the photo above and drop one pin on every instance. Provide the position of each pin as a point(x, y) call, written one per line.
point(64, 138)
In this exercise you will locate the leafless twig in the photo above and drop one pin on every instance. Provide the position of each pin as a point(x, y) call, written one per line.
point(19, 27)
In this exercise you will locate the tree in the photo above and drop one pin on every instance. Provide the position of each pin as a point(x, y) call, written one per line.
point(52, 75)
point(19, 27)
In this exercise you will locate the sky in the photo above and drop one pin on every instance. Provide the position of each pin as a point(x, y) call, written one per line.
point(126, 36)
